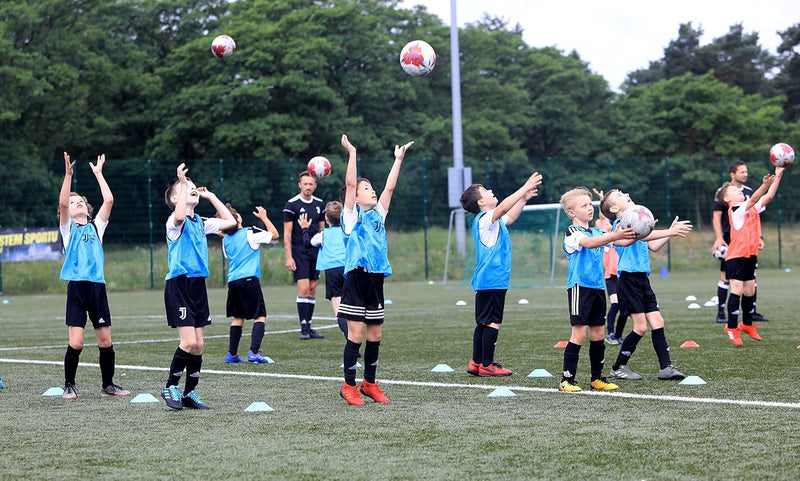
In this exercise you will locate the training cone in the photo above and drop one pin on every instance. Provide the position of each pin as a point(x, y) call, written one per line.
point(694, 305)
point(502, 392)
point(442, 368)
point(540, 373)
point(258, 407)
point(461, 303)
point(561, 345)
point(144, 398)
point(664, 274)
point(522, 301)
point(692, 381)
point(710, 304)
point(53, 391)
point(388, 302)
point(691, 298)
point(690, 344)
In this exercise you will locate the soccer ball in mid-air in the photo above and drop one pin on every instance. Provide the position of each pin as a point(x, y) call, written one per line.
point(719, 252)
point(781, 155)
point(639, 218)
point(319, 167)
point(417, 58)
point(223, 47)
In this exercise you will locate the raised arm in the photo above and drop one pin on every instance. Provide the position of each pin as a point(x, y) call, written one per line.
point(63, 195)
point(509, 202)
point(227, 219)
point(615, 236)
point(180, 202)
point(679, 228)
point(516, 210)
point(261, 213)
point(108, 198)
point(394, 173)
point(350, 175)
point(773, 186)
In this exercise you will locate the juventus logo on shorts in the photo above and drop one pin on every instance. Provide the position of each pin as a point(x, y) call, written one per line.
point(182, 310)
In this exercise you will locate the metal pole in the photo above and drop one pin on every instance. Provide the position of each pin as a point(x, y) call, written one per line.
point(221, 196)
point(150, 220)
point(425, 212)
point(780, 250)
point(458, 149)
point(669, 215)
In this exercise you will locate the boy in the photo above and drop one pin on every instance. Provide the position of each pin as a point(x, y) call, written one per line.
point(86, 285)
point(586, 295)
point(299, 259)
point(493, 267)
point(635, 294)
point(366, 267)
point(242, 248)
point(740, 259)
point(332, 243)
point(185, 296)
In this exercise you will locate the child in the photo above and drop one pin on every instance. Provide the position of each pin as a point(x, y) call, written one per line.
point(585, 287)
point(86, 284)
point(610, 262)
point(493, 266)
point(242, 248)
point(185, 296)
point(635, 294)
point(332, 243)
point(366, 267)
point(740, 259)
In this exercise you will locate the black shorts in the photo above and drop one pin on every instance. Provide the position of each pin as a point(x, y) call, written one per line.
point(362, 297)
point(334, 282)
point(587, 306)
point(86, 297)
point(186, 302)
point(722, 265)
point(489, 306)
point(612, 285)
point(305, 262)
point(635, 294)
point(741, 268)
point(245, 299)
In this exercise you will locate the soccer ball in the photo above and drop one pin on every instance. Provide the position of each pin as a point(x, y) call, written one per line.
point(719, 252)
point(639, 218)
point(781, 155)
point(319, 167)
point(223, 47)
point(417, 58)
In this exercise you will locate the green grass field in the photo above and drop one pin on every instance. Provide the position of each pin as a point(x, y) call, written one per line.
point(742, 424)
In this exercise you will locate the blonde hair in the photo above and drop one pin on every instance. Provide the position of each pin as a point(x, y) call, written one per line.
point(568, 198)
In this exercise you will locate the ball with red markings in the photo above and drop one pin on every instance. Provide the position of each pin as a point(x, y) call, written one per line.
point(319, 167)
point(639, 218)
point(781, 155)
point(223, 47)
point(417, 58)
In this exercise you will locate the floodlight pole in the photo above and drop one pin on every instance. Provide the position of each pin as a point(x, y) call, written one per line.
point(458, 150)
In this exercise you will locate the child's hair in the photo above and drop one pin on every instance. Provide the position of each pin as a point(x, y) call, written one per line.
point(568, 198)
point(720, 195)
point(605, 205)
point(89, 208)
point(168, 193)
point(470, 198)
point(235, 214)
point(333, 212)
point(735, 166)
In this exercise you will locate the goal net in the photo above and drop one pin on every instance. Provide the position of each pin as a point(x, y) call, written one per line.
point(538, 260)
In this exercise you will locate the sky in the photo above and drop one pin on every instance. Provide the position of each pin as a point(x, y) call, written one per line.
point(616, 37)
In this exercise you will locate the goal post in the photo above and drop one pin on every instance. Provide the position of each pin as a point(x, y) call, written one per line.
point(538, 260)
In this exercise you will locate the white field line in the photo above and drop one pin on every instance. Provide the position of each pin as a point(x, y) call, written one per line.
point(169, 339)
point(338, 379)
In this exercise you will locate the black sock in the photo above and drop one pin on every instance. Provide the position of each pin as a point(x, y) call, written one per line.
point(301, 311)
point(623, 319)
point(192, 372)
point(722, 295)
point(107, 365)
point(748, 306)
point(235, 337)
point(371, 360)
point(611, 317)
point(661, 347)
point(627, 349)
point(477, 343)
point(350, 360)
point(488, 344)
point(571, 354)
point(733, 311)
point(257, 336)
point(71, 364)
point(311, 303)
point(179, 360)
point(597, 358)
